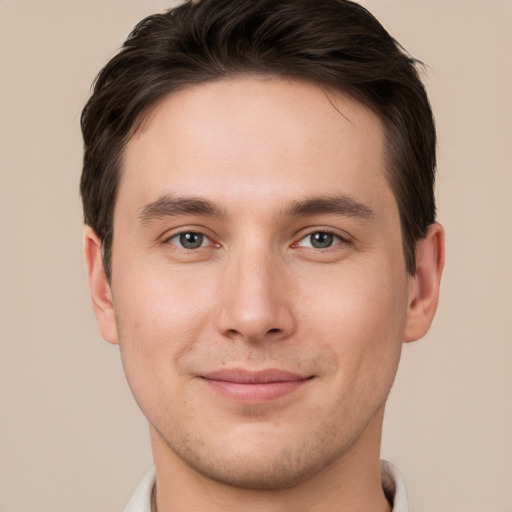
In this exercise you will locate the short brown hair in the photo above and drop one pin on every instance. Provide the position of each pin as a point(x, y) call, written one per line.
point(333, 43)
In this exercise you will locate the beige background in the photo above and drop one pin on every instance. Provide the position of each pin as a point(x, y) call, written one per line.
point(71, 437)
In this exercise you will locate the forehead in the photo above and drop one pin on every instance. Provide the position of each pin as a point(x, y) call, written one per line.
point(250, 137)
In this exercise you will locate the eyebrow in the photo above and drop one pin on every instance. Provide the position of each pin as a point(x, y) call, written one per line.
point(336, 204)
point(169, 206)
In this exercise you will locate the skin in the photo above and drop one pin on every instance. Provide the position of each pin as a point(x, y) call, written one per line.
point(265, 157)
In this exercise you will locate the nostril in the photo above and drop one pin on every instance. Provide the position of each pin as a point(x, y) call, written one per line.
point(253, 319)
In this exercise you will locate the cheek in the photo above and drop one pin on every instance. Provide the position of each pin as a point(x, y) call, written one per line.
point(158, 321)
point(154, 298)
point(154, 333)
point(359, 317)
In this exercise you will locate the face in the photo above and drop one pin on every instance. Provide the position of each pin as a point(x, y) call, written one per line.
point(258, 280)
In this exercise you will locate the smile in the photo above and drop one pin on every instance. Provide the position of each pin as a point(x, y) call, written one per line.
point(254, 387)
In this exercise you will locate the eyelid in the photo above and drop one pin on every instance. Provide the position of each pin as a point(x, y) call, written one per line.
point(344, 237)
point(166, 238)
point(205, 242)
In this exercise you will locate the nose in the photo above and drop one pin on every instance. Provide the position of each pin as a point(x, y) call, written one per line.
point(257, 297)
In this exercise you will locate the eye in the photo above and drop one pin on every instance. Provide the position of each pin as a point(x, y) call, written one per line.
point(189, 240)
point(320, 240)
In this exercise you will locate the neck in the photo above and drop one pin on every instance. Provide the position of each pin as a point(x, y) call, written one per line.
point(349, 483)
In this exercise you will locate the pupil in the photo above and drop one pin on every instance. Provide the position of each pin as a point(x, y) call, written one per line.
point(321, 240)
point(191, 240)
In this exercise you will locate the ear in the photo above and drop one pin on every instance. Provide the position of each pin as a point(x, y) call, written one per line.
point(424, 285)
point(99, 287)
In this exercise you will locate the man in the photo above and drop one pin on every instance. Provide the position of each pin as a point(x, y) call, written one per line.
point(260, 241)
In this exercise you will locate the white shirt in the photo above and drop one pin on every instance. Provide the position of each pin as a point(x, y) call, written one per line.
point(392, 483)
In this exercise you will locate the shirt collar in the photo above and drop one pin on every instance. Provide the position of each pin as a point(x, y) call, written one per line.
point(394, 487)
point(141, 498)
point(392, 483)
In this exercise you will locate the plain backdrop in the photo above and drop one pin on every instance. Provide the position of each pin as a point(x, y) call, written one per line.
point(71, 436)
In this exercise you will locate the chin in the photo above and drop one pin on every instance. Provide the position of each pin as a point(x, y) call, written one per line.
point(279, 471)
point(259, 462)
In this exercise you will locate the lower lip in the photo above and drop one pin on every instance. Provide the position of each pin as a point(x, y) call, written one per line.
point(255, 393)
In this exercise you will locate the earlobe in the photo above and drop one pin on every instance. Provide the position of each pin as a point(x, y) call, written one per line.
point(424, 285)
point(99, 287)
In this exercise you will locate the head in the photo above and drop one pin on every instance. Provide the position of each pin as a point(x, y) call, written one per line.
point(335, 44)
point(257, 186)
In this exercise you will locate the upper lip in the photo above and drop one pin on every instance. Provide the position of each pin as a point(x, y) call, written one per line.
point(241, 376)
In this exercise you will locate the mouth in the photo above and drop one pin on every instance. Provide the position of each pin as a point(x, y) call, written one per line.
point(254, 386)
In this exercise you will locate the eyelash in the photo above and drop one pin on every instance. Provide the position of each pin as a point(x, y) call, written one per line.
point(335, 238)
point(183, 234)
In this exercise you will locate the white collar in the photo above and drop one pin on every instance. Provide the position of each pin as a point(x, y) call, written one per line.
point(392, 483)
point(394, 486)
point(141, 498)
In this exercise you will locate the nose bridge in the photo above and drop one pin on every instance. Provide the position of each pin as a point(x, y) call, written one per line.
point(255, 305)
